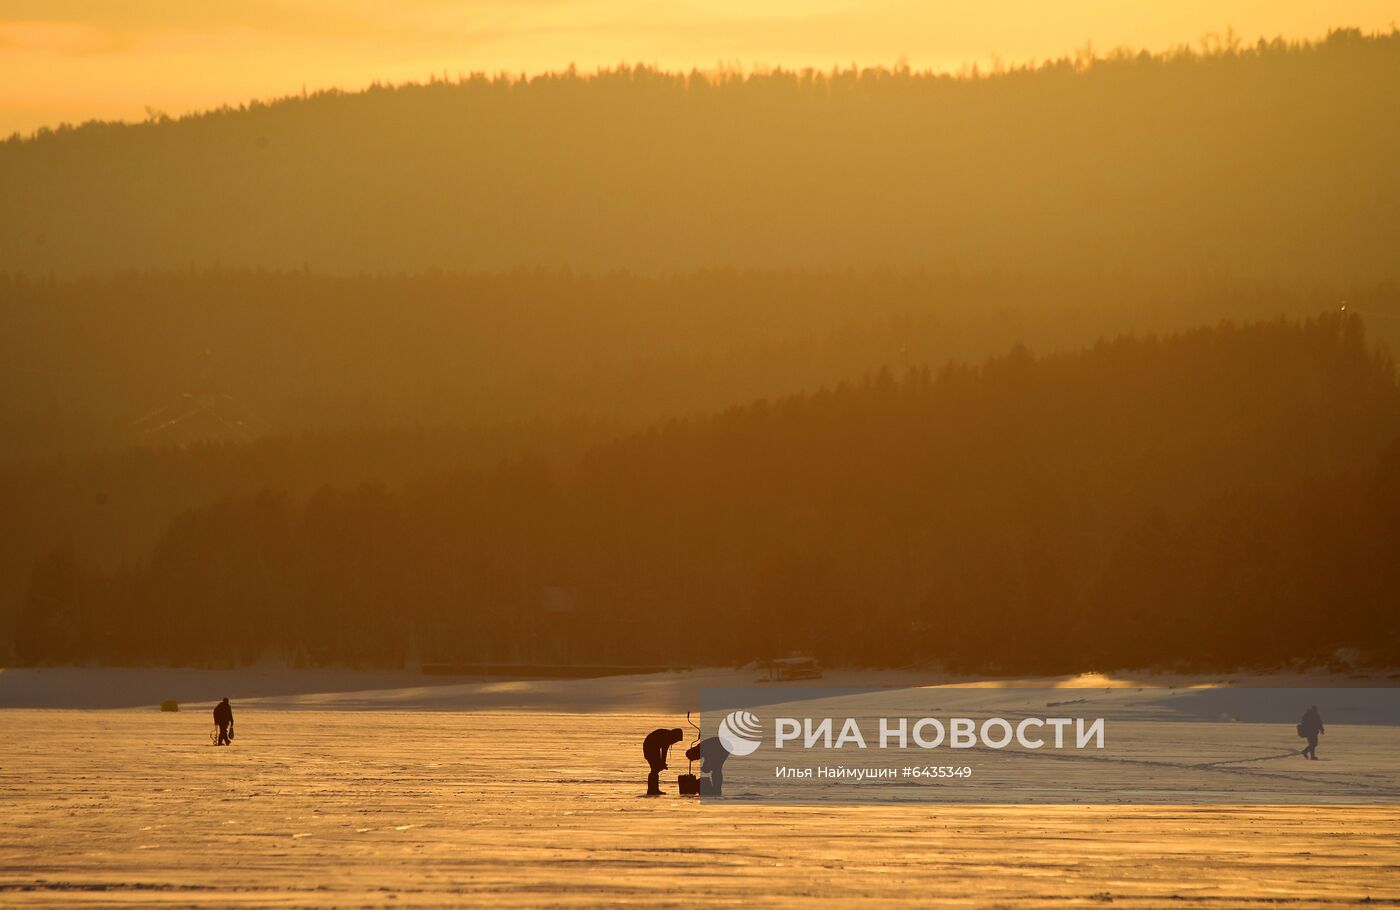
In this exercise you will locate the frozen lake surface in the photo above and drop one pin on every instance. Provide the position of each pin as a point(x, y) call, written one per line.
point(420, 808)
point(532, 808)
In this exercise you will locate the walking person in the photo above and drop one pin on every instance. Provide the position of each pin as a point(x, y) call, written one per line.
point(223, 717)
point(1310, 728)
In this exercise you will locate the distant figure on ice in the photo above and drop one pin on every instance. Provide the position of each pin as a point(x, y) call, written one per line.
point(710, 753)
point(655, 747)
point(223, 716)
point(1310, 728)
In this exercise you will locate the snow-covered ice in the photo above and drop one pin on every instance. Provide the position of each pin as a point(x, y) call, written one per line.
point(517, 803)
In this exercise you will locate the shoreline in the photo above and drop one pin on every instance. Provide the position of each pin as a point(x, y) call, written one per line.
point(273, 687)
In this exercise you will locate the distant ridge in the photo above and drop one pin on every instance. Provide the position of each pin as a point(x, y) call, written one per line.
point(1273, 159)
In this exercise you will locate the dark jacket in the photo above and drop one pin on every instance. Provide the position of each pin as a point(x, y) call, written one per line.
point(710, 753)
point(657, 744)
point(223, 713)
point(1311, 724)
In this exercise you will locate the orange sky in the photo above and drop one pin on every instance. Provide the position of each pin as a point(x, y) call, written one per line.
point(74, 60)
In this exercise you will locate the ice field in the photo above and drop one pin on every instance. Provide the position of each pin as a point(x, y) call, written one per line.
point(478, 794)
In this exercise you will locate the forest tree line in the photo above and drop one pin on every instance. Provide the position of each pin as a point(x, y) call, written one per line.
point(1276, 158)
point(1209, 498)
point(162, 359)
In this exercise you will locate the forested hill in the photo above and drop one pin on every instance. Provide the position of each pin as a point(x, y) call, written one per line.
point(1218, 497)
point(178, 357)
point(1270, 159)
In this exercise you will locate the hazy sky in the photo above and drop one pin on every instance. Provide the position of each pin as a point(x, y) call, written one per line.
point(74, 60)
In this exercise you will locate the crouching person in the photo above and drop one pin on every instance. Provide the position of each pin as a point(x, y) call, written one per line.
point(710, 753)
